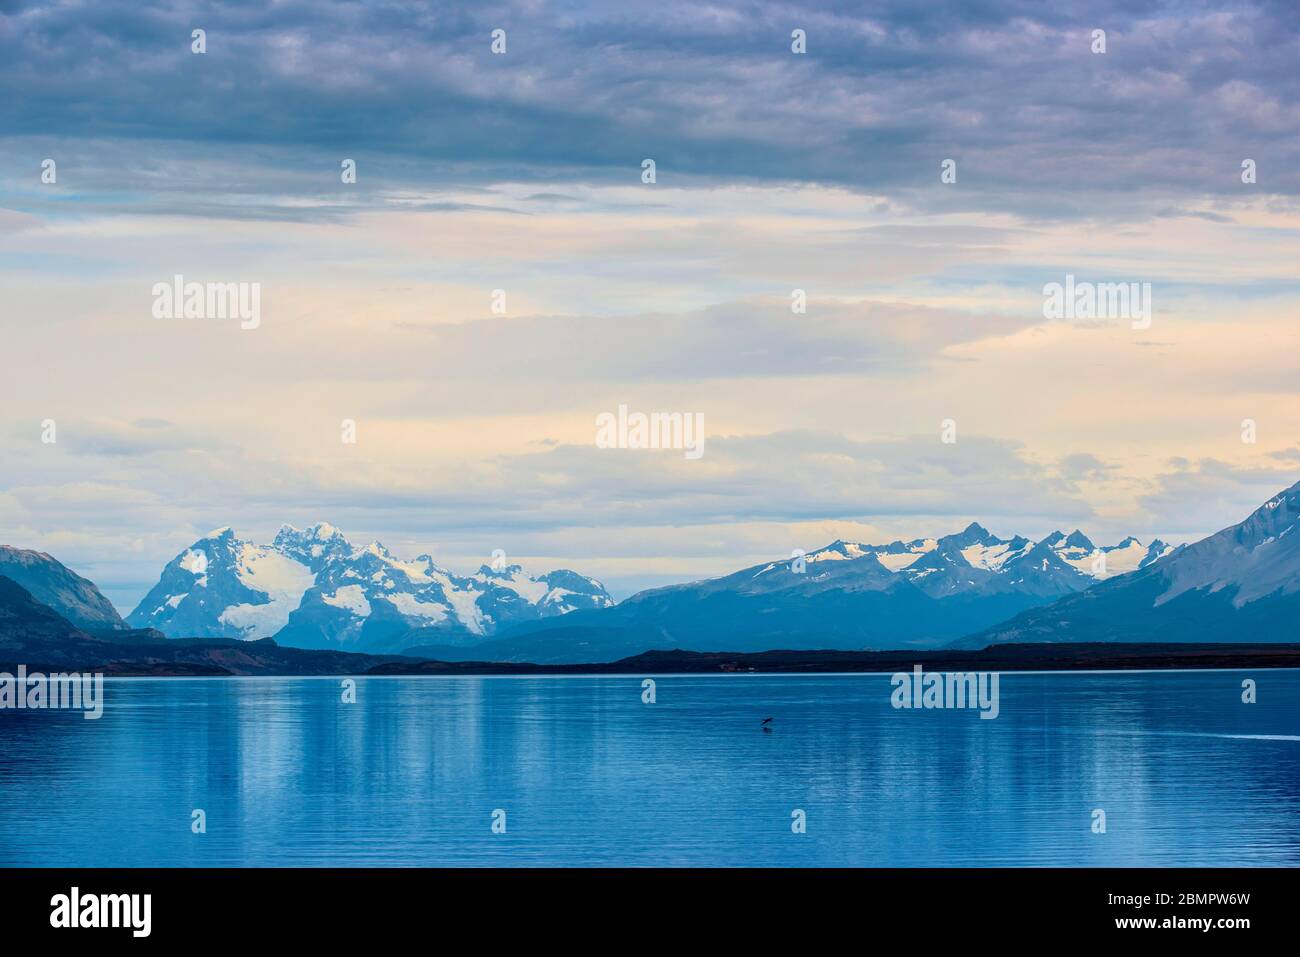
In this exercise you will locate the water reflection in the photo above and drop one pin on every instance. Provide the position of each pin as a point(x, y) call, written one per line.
point(409, 775)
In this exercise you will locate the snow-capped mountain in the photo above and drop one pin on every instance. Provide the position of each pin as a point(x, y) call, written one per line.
point(312, 588)
point(977, 560)
point(846, 595)
point(1240, 584)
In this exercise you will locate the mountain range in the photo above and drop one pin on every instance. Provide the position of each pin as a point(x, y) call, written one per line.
point(1242, 583)
point(37, 636)
point(923, 593)
point(313, 588)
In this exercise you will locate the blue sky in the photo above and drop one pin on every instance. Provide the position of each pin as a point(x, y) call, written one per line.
point(522, 172)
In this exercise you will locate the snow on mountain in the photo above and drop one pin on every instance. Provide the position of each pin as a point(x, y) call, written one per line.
point(1240, 584)
point(837, 552)
point(1257, 558)
point(313, 588)
point(976, 558)
point(314, 547)
point(199, 585)
point(1109, 560)
point(847, 595)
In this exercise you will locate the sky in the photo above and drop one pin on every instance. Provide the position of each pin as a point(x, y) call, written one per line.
point(500, 274)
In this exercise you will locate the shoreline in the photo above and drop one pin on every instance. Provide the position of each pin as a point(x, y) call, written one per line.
point(264, 658)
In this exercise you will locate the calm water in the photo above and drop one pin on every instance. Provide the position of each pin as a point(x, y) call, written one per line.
point(587, 774)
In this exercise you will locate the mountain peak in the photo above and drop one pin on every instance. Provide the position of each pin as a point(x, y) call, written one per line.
point(1241, 584)
point(1079, 540)
point(1270, 521)
point(836, 550)
point(972, 534)
point(313, 544)
point(845, 548)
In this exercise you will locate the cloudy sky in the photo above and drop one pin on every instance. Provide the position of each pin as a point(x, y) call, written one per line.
point(522, 172)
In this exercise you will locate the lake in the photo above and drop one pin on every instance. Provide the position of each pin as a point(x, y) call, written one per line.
point(286, 773)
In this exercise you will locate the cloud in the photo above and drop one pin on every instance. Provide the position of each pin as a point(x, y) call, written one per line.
point(564, 497)
point(1083, 467)
point(142, 437)
point(522, 172)
point(761, 338)
point(1012, 91)
point(1200, 498)
point(791, 476)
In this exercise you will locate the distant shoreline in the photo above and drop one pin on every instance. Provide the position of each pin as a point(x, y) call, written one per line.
point(1028, 658)
point(196, 659)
